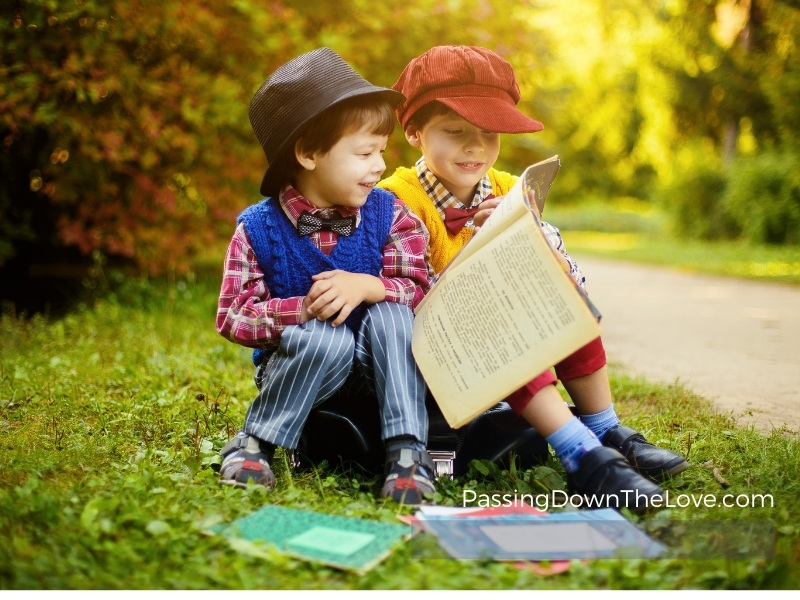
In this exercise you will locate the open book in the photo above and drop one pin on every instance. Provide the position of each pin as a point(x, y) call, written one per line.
point(503, 310)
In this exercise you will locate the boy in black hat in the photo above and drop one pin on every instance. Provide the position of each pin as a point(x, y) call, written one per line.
point(322, 276)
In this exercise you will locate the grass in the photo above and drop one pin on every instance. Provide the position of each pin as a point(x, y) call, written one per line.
point(111, 417)
point(636, 231)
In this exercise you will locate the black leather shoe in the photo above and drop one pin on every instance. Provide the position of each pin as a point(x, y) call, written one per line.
point(656, 463)
point(606, 479)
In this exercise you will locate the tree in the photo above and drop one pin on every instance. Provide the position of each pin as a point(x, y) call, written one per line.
point(124, 123)
point(735, 66)
point(124, 126)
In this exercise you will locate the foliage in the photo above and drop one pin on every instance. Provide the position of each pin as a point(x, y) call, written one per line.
point(753, 198)
point(734, 259)
point(763, 196)
point(124, 126)
point(734, 65)
point(111, 416)
point(608, 110)
point(693, 199)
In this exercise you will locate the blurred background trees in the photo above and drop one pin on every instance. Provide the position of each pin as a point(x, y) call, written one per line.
point(125, 136)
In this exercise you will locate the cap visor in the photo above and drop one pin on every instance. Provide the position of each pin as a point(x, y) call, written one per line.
point(492, 114)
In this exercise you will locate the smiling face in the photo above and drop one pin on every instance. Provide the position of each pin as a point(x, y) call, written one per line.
point(456, 151)
point(345, 174)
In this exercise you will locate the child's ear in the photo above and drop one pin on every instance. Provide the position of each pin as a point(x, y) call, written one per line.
point(412, 136)
point(305, 158)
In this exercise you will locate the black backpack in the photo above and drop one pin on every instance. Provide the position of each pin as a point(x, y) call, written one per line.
point(346, 429)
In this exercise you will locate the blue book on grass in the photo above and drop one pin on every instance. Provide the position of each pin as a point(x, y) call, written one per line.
point(602, 533)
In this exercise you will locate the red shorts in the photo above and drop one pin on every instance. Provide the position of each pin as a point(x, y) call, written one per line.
point(580, 363)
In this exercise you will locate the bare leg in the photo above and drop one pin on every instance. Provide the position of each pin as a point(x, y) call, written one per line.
point(590, 393)
point(547, 411)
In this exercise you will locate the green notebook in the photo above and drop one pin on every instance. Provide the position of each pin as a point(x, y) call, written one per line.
point(342, 542)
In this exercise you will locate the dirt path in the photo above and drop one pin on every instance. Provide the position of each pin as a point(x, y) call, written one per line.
point(735, 342)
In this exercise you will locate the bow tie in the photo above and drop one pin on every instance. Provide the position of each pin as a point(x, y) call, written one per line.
point(308, 223)
point(456, 218)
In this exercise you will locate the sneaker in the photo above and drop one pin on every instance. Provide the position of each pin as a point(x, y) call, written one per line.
point(659, 464)
point(243, 460)
point(605, 479)
point(409, 476)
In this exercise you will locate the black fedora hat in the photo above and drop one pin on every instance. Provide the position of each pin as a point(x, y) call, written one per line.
point(298, 91)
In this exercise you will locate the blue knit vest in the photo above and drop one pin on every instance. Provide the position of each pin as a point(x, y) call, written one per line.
point(288, 260)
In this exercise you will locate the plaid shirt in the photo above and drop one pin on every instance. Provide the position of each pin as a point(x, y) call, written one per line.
point(248, 314)
point(442, 199)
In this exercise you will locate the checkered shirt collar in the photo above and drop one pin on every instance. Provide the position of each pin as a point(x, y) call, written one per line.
point(441, 197)
point(294, 203)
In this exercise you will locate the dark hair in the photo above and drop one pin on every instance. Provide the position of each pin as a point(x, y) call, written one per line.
point(322, 132)
point(434, 108)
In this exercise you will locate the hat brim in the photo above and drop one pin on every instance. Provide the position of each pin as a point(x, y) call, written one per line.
point(492, 114)
point(270, 184)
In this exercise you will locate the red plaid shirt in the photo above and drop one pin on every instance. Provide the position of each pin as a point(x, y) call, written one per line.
point(248, 314)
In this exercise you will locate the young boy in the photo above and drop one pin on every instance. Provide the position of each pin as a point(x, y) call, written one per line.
point(322, 276)
point(458, 100)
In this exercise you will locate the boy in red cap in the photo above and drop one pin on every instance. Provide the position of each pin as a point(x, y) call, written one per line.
point(458, 100)
point(322, 276)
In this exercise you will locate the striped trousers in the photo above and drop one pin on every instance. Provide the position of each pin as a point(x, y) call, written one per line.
point(314, 360)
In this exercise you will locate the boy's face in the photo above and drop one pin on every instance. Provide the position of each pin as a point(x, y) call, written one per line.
point(456, 151)
point(345, 174)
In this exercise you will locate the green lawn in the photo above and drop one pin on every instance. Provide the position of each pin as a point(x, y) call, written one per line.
point(635, 231)
point(111, 416)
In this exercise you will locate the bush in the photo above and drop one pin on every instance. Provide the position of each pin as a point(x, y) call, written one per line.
point(693, 202)
point(124, 125)
point(763, 197)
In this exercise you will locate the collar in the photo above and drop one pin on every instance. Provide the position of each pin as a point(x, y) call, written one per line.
point(294, 203)
point(441, 197)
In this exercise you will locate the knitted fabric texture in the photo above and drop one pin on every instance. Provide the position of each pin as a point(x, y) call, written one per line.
point(288, 260)
point(443, 246)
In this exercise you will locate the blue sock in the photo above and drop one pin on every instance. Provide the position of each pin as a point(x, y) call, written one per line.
point(571, 442)
point(601, 422)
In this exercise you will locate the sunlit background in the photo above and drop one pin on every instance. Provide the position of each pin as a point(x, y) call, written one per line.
point(125, 135)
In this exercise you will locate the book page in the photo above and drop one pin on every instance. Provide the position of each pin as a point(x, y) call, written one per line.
point(499, 318)
point(539, 178)
point(516, 203)
point(512, 207)
point(533, 185)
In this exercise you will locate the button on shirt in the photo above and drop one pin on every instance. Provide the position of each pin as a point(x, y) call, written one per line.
point(248, 314)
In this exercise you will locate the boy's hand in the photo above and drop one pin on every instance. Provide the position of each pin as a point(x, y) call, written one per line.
point(532, 201)
point(486, 208)
point(337, 293)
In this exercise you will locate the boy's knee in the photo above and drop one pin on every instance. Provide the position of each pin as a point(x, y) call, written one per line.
point(319, 336)
point(389, 317)
point(391, 309)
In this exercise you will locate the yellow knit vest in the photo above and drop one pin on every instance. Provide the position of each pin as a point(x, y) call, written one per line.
point(443, 246)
